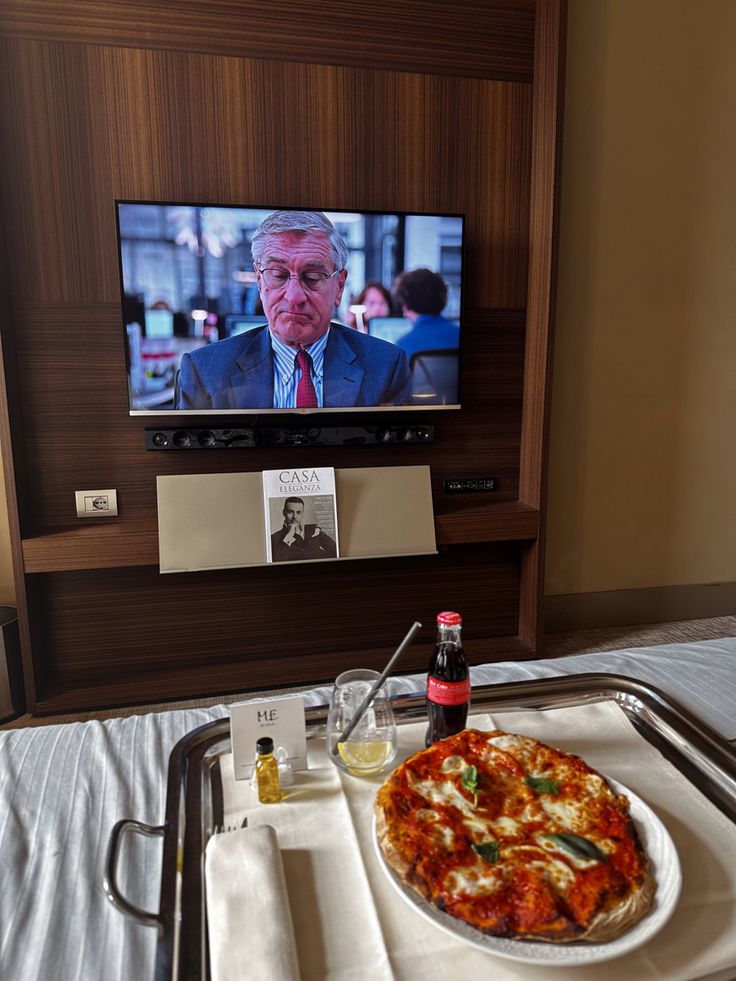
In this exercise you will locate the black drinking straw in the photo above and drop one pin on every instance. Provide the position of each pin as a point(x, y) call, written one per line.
point(376, 685)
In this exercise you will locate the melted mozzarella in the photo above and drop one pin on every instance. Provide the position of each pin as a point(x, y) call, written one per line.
point(426, 815)
point(568, 815)
point(560, 875)
point(478, 826)
point(500, 759)
point(594, 785)
point(443, 793)
point(553, 869)
point(530, 812)
point(445, 835)
point(454, 764)
point(509, 741)
point(506, 827)
point(473, 880)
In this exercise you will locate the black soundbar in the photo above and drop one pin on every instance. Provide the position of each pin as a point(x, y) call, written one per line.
point(264, 436)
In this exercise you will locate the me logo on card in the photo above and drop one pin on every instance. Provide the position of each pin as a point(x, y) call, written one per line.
point(281, 718)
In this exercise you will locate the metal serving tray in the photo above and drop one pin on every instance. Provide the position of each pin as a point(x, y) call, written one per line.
point(194, 800)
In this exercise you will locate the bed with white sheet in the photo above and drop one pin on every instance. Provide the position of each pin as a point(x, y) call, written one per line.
point(63, 787)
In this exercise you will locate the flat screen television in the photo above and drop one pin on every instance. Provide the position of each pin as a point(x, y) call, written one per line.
point(232, 310)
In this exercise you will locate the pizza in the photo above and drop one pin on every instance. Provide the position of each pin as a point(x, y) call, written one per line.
point(516, 838)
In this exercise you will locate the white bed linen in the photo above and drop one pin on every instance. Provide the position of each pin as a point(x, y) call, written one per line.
point(62, 788)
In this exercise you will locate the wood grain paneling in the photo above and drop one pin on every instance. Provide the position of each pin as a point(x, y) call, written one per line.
point(494, 39)
point(93, 544)
point(71, 371)
point(13, 453)
point(118, 622)
point(411, 106)
point(94, 124)
point(545, 188)
point(62, 693)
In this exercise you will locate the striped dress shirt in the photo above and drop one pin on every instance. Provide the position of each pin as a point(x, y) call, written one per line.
point(286, 375)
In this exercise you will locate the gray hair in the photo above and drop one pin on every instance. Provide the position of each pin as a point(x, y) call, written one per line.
point(299, 221)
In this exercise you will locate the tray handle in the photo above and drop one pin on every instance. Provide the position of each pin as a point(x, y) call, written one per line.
point(110, 884)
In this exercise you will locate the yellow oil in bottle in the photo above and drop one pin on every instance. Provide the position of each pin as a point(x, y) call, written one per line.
point(267, 772)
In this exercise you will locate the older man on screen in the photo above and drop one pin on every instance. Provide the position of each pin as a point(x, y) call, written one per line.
point(301, 359)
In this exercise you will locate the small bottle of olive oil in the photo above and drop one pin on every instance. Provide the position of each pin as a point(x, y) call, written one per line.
point(267, 772)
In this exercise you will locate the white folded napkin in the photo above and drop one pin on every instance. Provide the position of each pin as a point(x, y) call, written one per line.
point(248, 916)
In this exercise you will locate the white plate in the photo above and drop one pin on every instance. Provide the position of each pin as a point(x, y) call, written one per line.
point(665, 866)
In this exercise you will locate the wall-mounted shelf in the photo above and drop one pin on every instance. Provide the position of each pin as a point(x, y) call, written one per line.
point(508, 521)
point(96, 545)
point(135, 543)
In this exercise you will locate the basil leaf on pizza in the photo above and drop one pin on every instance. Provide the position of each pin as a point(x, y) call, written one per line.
point(563, 864)
point(469, 780)
point(489, 851)
point(541, 785)
point(578, 847)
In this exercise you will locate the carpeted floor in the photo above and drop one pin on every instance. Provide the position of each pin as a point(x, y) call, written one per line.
point(644, 635)
point(555, 645)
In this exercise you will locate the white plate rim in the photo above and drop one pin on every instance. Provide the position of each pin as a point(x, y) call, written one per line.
point(664, 864)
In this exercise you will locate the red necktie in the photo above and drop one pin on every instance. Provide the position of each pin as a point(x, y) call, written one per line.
point(306, 397)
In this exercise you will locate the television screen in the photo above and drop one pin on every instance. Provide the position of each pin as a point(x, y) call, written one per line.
point(237, 310)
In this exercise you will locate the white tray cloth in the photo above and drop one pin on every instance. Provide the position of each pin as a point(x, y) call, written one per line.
point(329, 898)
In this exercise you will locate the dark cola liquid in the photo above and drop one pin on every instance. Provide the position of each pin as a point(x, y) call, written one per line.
point(448, 667)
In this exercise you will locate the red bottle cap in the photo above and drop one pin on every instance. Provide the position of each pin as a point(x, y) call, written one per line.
point(448, 619)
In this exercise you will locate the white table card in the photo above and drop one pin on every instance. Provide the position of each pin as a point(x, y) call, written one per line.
point(281, 718)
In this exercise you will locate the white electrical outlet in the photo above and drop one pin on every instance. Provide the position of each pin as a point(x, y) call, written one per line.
point(96, 503)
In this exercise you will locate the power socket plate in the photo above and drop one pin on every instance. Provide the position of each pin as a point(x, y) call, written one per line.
point(96, 503)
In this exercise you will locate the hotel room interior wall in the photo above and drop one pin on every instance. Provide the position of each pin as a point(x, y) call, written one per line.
point(7, 584)
point(642, 458)
point(216, 108)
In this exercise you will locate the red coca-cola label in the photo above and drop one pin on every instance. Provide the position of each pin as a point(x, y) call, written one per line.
point(448, 692)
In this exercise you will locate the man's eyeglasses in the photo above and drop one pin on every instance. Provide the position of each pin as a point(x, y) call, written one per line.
point(276, 279)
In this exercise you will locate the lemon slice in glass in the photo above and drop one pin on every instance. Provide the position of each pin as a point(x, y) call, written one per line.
point(366, 757)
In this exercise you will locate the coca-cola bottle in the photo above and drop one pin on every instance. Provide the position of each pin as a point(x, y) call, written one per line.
point(448, 681)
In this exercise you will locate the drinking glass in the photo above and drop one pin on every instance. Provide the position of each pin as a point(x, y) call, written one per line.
point(372, 744)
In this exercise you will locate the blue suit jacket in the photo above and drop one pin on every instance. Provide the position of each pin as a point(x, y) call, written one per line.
point(429, 333)
point(237, 373)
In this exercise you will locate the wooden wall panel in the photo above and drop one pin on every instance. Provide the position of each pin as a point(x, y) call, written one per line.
point(549, 57)
point(94, 124)
point(105, 623)
point(414, 105)
point(72, 376)
point(109, 122)
point(494, 39)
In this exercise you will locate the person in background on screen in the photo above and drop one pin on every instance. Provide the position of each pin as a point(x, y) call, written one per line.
point(376, 300)
point(301, 358)
point(296, 540)
point(423, 296)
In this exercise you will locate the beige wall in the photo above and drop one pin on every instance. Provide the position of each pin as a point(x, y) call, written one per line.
point(643, 432)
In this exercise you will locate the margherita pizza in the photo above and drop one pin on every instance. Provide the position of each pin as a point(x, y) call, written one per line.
point(515, 838)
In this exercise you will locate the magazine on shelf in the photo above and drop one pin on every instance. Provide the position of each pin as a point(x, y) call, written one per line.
point(301, 514)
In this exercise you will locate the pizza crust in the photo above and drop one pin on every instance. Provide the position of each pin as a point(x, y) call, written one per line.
point(607, 926)
point(404, 842)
